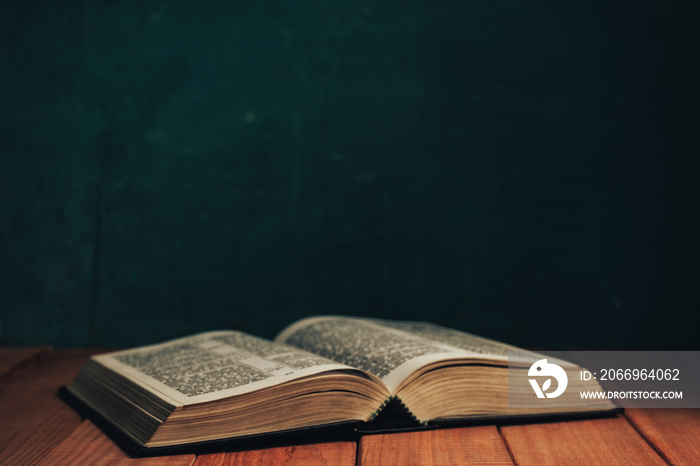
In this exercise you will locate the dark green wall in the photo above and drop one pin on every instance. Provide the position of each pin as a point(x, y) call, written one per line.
point(517, 169)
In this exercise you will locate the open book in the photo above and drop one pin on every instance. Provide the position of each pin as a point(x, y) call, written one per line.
point(319, 371)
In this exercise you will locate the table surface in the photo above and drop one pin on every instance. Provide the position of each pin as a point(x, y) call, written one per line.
point(38, 428)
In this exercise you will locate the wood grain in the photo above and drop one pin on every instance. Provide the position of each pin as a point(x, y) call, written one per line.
point(331, 454)
point(611, 441)
point(674, 433)
point(33, 418)
point(37, 427)
point(15, 360)
point(473, 445)
point(88, 445)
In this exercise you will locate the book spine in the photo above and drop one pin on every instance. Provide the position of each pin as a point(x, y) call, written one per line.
point(398, 400)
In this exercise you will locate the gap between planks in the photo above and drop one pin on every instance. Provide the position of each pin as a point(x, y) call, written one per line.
point(673, 433)
point(607, 441)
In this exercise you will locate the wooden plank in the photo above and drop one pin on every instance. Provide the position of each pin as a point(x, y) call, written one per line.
point(33, 418)
point(674, 433)
point(333, 453)
point(472, 445)
point(15, 360)
point(88, 445)
point(608, 441)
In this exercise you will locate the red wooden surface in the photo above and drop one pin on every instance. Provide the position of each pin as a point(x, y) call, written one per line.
point(38, 428)
point(15, 360)
point(338, 453)
point(470, 445)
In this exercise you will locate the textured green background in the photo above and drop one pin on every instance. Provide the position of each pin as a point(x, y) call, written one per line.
point(516, 169)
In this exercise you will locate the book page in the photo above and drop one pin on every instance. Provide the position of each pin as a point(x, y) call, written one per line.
point(391, 354)
point(215, 365)
point(475, 345)
point(466, 341)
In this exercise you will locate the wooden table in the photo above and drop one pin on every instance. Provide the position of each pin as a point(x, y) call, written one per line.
point(38, 428)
